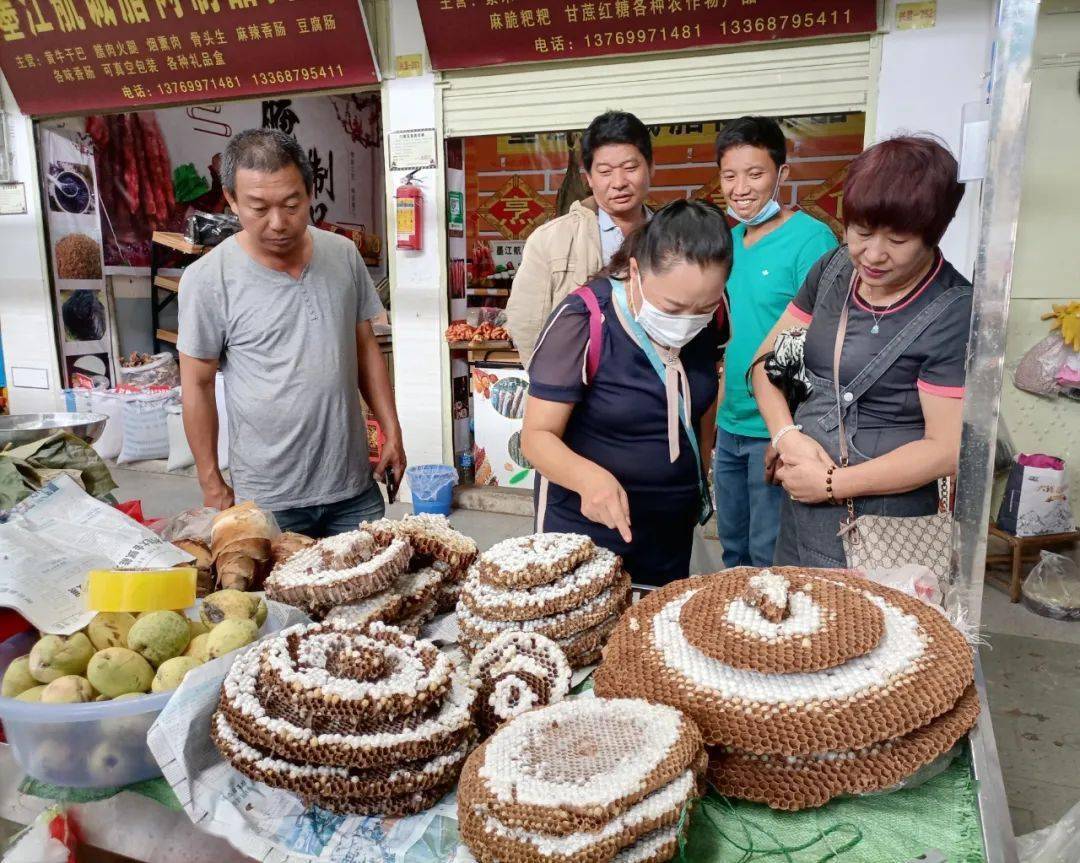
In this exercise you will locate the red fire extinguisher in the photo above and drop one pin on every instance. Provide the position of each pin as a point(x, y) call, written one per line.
point(410, 214)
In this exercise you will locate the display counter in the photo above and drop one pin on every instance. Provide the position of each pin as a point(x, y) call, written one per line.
point(163, 835)
point(484, 352)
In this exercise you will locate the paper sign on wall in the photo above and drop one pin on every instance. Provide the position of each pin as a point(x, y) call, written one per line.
point(916, 16)
point(413, 148)
point(12, 199)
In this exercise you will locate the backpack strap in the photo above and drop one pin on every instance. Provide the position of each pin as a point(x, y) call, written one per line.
point(596, 331)
point(596, 328)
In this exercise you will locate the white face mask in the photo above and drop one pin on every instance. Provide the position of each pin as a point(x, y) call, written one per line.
point(770, 210)
point(674, 331)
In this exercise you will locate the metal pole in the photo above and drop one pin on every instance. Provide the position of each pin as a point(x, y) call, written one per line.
point(1013, 49)
point(993, 282)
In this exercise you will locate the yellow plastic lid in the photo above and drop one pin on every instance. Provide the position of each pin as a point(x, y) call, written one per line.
point(141, 589)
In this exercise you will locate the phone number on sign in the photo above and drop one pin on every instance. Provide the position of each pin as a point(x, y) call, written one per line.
point(735, 27)
point(780, 23)
point(297, 73)
point(199, 85)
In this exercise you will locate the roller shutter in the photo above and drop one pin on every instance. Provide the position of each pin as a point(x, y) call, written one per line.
point(802, 78)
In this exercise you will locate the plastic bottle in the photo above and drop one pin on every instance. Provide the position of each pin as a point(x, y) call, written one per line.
point(465, 468)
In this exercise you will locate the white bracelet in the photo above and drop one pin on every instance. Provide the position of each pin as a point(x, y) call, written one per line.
point(784, 431)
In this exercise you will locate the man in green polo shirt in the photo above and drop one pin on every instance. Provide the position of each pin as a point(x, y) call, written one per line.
point(774, 249)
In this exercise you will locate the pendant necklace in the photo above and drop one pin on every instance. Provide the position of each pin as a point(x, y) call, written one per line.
point(878, 317)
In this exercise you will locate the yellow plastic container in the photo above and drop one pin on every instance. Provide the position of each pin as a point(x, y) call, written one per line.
point(141, 590)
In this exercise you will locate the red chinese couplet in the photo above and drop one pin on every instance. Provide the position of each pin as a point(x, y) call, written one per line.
point(79, 56)
point(467, 33)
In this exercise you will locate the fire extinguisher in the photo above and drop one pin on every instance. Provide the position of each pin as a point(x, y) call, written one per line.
point(410, 214)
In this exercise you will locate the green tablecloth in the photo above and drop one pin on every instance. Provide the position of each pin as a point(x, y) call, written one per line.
point(897, 827)
point(943, 814)
point(157, 790)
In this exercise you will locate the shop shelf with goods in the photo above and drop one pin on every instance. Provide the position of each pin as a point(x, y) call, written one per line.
point(165, 289)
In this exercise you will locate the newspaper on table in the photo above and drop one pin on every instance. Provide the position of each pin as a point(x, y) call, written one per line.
point(53, 538)
point(269, 824)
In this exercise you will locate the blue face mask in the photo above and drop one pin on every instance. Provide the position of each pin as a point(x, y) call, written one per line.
point(769, 211)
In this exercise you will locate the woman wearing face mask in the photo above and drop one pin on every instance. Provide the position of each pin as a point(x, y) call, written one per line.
point(887, 329)
point(775, 247)
point(623, 384)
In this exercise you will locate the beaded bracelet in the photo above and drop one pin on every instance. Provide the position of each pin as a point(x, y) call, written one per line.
point(828, 484)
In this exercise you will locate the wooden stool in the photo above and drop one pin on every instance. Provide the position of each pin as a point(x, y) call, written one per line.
point(1020, 547)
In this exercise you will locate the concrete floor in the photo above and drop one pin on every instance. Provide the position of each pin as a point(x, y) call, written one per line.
point(1032, 664)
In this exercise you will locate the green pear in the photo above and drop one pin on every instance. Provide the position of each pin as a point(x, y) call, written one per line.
point(107, 764)
point(33, 694)
point(55, 761)
point(227, 605)
point(17, 677)
point(69, 689)
point(198, 649)
point(159, 636)
point(110, 629)
point(172, 671)
point(56, 656)
point(229, 635)
point(116, 671)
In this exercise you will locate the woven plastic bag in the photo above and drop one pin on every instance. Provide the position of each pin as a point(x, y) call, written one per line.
point(146, 434)
point(161, 371)
point(1053, 588)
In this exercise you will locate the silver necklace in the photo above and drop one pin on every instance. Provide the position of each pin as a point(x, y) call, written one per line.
point(878, 316)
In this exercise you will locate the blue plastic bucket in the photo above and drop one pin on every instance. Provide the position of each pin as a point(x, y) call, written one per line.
point(432, 487)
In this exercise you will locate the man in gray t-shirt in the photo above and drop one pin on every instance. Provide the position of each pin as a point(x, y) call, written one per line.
point(285, 310)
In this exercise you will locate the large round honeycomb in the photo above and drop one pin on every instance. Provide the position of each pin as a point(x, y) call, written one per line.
point(794, 667)
point(364, 719)
point(582, 781)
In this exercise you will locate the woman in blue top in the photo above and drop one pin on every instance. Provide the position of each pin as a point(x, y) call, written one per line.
point(623, 383)
point(775, 247)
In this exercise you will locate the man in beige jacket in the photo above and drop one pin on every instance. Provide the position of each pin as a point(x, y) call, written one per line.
point(563, 254)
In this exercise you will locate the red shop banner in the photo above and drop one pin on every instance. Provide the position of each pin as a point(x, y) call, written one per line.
point(64, 56)
point(467, 33)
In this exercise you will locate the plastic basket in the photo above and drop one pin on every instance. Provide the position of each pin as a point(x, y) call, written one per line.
point(432, 487)
point(93, 745)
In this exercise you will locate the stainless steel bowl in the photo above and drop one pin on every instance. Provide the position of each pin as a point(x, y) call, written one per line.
point(27, 428)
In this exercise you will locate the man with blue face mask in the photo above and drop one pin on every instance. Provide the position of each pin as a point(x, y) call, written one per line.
point(774, 248)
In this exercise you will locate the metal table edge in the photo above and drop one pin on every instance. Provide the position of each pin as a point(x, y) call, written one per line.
point(999, 844)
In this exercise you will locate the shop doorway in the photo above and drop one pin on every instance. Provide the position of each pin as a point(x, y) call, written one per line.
point(119, 191)
point(502, 187)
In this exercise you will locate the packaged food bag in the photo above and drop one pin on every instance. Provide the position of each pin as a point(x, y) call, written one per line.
point(222, 422)
point(1036, 501)
point(160, 370)
point(179, 451)
point(111, 404)
point(77, 400)
point(146, 430)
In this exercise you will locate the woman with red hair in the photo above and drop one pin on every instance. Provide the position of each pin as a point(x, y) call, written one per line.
point(887, 322)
